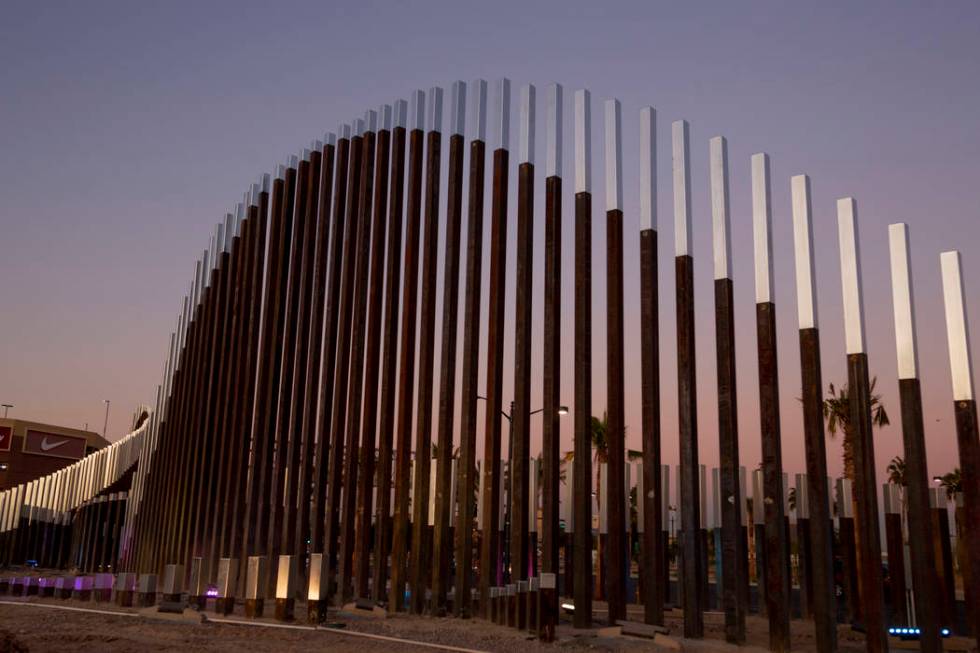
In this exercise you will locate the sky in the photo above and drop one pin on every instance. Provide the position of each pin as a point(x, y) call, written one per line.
point(128, 129)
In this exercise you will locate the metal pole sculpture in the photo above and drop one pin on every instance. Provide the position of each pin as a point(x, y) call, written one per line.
point(582, 496)
point(406, 368)
point(520, 418)
point(616, 427)
point(869, 545)
point(923, 578)
point(489, 551)
point(650, 504)
point(465, 523)
point(965, 410)
point(366, 476)
point(382, 540)
point(821, 536)
point(551, 372)
point(691, 597)
point(727, 382)
point(353, 446)
point(777, 539)
point(323, 455)
point(341, 443)
point(442, 545)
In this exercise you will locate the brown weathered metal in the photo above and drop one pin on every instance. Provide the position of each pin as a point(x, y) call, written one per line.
point(818, 494)
point(442, 545)
point(551, 387)
point(467, 488)
point(617, 552)
point(582, 477)
point(521, 413)
point(356, 371)
point(322, 453)
point(420, 559)
point(777, 545)
point(866, 495)
point(489, 550)
point(731, 510)
point(362, 544)
point(896, 567)
point(969, 449)
point(923, 579)
point(382, 541)
point(342, 446)
point(653, 553)
point(406, 375)
point(692, 600)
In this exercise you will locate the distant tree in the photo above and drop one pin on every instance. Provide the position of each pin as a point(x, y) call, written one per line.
point(837, 412)
point(896, 471)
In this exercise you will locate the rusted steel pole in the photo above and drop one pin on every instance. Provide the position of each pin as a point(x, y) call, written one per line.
point(406, 368)
point(442, 546)
point(965, 411)
point(466, 520)
point(292, 345)
point(523, 300)
point(322, 454)
point(420, 559)
point(818, 493)
point(489, 550)
point(551, 372)
point(617, 556)
point(692, 600)
point(923, 581)
point(777, 544)
point(582, 497)
point(340, 441)
point(653, 553)
point(895, 547)
point(307, 473)
point(303, 360)
point(382, 541)
point(366, 477)
point(859, 391)
point(356, 374)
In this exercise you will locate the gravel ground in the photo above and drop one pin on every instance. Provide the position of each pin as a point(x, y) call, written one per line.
point(35, 628)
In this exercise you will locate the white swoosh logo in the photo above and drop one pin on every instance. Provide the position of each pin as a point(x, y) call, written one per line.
point(48, 446)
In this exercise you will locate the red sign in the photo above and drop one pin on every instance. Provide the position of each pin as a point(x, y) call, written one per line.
point(52, 444)
point(6, 437)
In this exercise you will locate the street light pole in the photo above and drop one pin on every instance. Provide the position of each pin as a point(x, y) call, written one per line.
point(105, 424)
point(6, 407)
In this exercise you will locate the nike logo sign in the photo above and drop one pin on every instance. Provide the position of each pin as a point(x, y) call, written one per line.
point(48, 446)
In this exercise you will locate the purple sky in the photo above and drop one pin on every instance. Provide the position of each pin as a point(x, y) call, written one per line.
point(126, 131)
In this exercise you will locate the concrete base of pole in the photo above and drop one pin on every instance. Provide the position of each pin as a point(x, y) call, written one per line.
point(254, 608)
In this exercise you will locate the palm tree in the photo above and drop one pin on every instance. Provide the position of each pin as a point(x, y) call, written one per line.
point(837, 412)
point(896, 471)
point(600, 446)
point(791, 499)
point(953, 483)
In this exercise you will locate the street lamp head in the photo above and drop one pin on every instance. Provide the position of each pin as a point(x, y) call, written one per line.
point(563, 410)
point(937, 480)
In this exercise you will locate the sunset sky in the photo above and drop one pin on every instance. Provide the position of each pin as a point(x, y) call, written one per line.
point(128, 129)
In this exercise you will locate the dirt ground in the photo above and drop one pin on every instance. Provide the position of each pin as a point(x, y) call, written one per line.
point(32, 627)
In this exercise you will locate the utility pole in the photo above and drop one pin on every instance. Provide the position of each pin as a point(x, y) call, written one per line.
point(105, 424)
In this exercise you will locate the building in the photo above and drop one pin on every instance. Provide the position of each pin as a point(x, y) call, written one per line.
point(29, 450)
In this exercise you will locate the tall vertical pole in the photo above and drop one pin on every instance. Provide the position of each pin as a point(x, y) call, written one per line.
point(777, 563)
point(654, 578)
point(551, 372)
point(582, 496)
point(965, 409)
point(727, 382)
point(615, 390)
point(442, 546)
point(489, 551)
point(866, 486)
point(923, 579)
point(520, 418)
point(686, 386)
point(471, 353)
point(818, 495)
point(421, 540)
point(406, 368)
point(382, 540)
